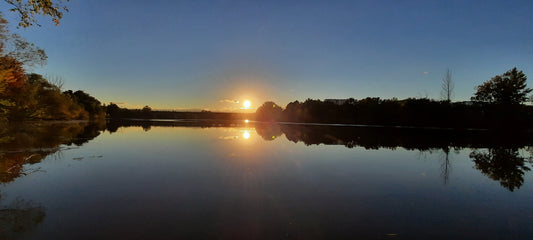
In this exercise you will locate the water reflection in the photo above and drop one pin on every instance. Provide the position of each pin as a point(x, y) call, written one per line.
point(249, 180)
point(19, 217)
point(246, 135)
point(501, 162)
point(113, 125)
point(22, 145)
point(503, 165)
point(389, 137)
point(508, 169)
point(445, 166)
point(268, 132)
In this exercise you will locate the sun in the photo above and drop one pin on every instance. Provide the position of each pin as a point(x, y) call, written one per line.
point(246, 104)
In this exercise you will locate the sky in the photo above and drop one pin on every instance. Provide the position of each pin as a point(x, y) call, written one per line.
point(213, 55)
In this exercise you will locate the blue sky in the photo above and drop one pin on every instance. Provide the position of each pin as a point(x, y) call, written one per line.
point(196, 54)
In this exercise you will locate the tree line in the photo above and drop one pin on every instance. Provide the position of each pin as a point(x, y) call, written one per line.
point(496, 103)
point(116, 112)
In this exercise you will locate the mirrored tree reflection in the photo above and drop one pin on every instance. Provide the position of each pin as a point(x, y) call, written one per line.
point(445, 165)
point(23, 145)
point(146, 127)
point(390, 137)
point(503, 165)
point(502, 162)
point(19, 217)
point(268, 132)
point(113, 125)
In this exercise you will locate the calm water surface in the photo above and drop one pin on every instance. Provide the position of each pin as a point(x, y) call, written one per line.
point(257, 182)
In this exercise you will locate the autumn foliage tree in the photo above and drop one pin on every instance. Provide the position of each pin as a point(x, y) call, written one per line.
point(31, 96)
point(11, 83)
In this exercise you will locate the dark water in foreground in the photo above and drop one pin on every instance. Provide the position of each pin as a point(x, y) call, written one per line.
point(256, 181)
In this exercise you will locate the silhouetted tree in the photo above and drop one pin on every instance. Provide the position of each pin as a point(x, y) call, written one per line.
point(146, 112)
point(508, 88)
point(88, 102)
point(112, 109)
point(146, 109)
point(269, 111)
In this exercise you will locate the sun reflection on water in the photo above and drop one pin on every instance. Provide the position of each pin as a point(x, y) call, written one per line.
point(246, 134)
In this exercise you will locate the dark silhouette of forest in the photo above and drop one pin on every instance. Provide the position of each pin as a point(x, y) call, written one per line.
point(407, 112)
point(115, 112)
point(497, 103)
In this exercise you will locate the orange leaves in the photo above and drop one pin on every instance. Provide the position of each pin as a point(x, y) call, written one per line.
point(13, 78)
point(11, 72)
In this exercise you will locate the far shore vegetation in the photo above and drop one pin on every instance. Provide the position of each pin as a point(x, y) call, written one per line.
point(497, 103)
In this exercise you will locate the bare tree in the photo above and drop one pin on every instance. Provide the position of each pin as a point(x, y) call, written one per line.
point(57, 81)
point(447, 86)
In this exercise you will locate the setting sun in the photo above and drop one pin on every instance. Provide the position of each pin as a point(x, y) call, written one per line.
point(247, 104)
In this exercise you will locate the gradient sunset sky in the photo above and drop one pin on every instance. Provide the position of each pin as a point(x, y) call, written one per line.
point(211, 54)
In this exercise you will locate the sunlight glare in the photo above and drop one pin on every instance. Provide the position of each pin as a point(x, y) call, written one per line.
point(246, 121)
point(247, 104)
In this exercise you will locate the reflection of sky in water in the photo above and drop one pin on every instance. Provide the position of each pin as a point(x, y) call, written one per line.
point(232, 183)
point(237, 134)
